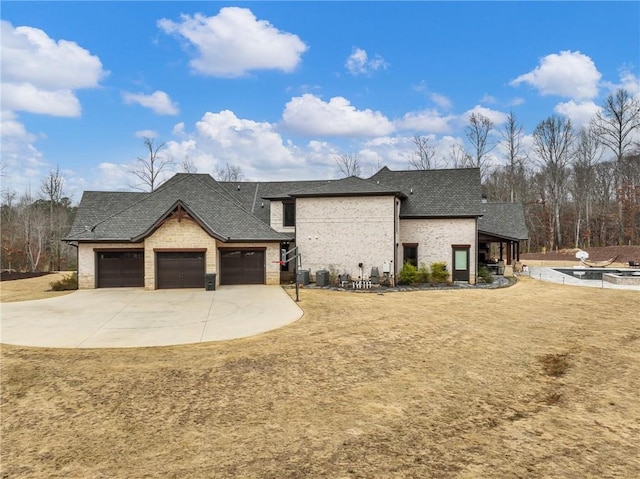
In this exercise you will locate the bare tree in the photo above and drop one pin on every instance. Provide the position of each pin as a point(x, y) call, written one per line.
point(477, 133)
point(32, 222)
point(552, 140)
point(615, 125)
point(616, 122)
point(424, 154)
point(511, 139)
point(587, 154)
point(458, 158)
point(228, 173)
point(51, 188)
point(349, 164)
point(604, 222)
point(188, 166)
point(148, 169)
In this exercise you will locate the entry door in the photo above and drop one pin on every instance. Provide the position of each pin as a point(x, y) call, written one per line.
point(460, 263)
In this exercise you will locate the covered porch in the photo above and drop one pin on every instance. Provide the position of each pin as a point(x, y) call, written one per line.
point(501, 228)
point(497, 252)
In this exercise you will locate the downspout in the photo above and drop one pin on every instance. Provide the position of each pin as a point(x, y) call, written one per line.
point(396, 227)
point(476, 253)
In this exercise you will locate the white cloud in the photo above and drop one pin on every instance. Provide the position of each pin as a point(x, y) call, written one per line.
point(441, 100)
point(221, 138)
point(13, 129)
point(580, 113)
point(628, 81)
point(486, 98)
point(115, 177)
point(359, 63)
point(235, 42)
point(516, 101)
point(146, 134)
point(158, 102)
point(178, 129)
point(428, 121)
point(568, 74)
point(22, 162)
point(26, 97)
point(310, 115)
point(39, 75)
point(497, 117)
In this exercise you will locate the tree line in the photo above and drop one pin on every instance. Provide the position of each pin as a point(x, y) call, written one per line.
point(33, 226)
point(579, 187)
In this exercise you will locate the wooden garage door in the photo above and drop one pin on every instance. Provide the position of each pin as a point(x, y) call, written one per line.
point(242, 266)
point(120, 269)
point(180, 269)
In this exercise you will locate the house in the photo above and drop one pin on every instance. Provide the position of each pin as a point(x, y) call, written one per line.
point(193, 225)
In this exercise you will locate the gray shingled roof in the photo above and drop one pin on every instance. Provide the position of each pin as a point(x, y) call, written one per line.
point(505, 220)
point(435, 193)
point(241, 210)
point(351, 186)
point(108, 216)
point(255, 196)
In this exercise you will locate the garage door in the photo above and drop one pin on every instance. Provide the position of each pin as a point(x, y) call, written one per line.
point(120, 269)
point(180, 269)
point(242, 266)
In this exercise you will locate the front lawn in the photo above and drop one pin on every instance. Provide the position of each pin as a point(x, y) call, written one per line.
point(536, 380)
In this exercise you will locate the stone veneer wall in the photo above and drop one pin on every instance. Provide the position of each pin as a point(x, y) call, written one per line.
point(435, 238)
point(341, 232)
point(87, 260)
point(173, 234)
point(179, 235)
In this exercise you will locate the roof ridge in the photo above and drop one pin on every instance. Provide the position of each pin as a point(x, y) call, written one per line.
point(224, 193)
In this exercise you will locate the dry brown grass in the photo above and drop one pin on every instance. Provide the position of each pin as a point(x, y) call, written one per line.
point(32, 288)
point(442, 384)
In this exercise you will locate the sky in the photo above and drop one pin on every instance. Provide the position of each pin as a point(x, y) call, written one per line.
point(282, 89)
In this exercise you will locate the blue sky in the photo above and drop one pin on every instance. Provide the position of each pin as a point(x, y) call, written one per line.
point(283, 88)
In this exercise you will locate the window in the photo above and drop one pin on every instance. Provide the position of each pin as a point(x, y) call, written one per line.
point(289, 213)
point(410, 253)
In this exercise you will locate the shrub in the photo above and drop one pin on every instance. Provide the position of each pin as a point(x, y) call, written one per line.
point(408, 274)
point(67, 283)
point(333, 275)
point(439, 273)
point(423, 274)
point(485, 274)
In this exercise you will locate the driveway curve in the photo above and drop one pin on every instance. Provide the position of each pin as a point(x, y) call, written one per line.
point(133, 317)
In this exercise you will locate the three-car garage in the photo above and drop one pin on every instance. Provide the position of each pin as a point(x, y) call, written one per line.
point(179, 269)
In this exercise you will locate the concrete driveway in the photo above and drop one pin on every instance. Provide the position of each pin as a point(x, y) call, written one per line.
point(132, 317)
